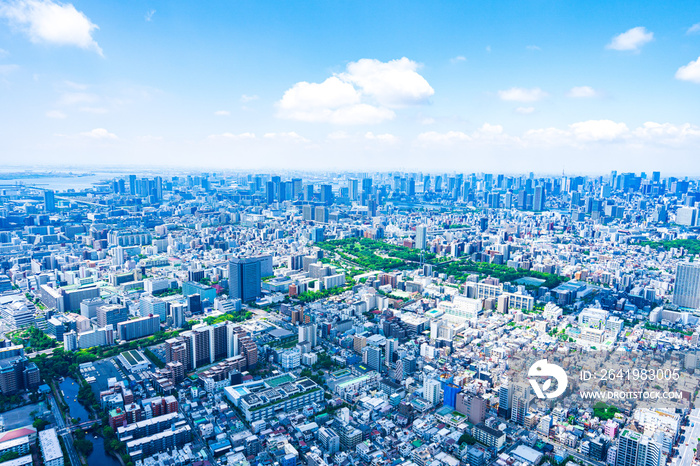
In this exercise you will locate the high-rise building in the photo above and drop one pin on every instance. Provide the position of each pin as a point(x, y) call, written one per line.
point(150, 305)
point(308, 333)
point(431, 391)
point(520, 403)
point(635, 449)
point(421, 236)
point(244, 278)
point(49, 201)
point(686, 292)
point(539, 199)
point(138, 328)
point(111, 314)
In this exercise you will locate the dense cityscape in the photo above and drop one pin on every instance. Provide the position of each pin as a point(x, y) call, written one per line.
point(337, 319)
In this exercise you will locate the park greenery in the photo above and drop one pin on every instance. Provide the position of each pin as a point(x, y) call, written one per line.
point(377, 255)
point(603, 411)
point(33, 340)
point(691, 246)
point(310, 296)
point(228, 317)
point(462, 269)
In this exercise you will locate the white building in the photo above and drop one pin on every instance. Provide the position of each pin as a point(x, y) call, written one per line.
point(50, 448)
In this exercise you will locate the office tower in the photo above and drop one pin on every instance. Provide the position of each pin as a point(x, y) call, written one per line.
point(372, 356)
point(539, 200)
point(111, 314)
point(270, 192)
point(327, 194)
point(390, 346)
point(308, 192)
point(308, 333)
point(508, 203)
point(421, 236)
point(49, 201)
point(656, 177)
point(686, 292)
point(321, 214)
point(353, 189)
point(158, 188)
point(296, 188)
point(244, 278)
point(308, 212)
point(132, 184)
point(150, 305)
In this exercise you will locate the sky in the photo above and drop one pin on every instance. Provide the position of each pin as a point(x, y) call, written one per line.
point(440, 86)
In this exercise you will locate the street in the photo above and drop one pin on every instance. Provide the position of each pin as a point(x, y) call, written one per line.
point(63, 432)
point(686, 453)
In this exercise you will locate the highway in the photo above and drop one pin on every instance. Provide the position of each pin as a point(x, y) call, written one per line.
point(685, 453)
point(63, 432)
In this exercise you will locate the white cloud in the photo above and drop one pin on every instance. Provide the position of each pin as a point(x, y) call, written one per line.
point(694, 29)
point(582, 92)
point(488, 48)
point(290, 136)
point(598, 130)
point(427, 121)
point(690, 72)
point(248, 98)
point(222, 113)
point(75, 86)
point(73, 98)
point(388, 138)
point(443, 138)
point(364, 94)
point(337, 135)
point(233, 137)
point(631, 40)
point(7, 69)
point(149, 15)
point(519, 94)
point(667, 133)
point(4, 53)
point(56, 114)
point(534, 48)
point(94, 110)
point(99, 133)
point(458, 59)
point(45, 21)
point(395, 83)
point(525, 110)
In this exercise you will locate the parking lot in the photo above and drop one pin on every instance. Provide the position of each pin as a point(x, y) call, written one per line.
point(104, 370)
point(20, 417)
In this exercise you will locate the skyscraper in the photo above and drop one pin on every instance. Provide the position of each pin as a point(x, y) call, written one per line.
point(421, 236)
point(49, 201)
point(244, 278)
point(686, 292)
point(539, 200)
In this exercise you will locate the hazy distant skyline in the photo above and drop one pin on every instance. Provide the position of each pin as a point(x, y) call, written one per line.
point(432, 86)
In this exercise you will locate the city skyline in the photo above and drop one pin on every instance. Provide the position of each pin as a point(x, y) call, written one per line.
point(247, 86)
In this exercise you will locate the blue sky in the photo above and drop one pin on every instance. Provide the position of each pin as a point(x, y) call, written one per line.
point(546, 86)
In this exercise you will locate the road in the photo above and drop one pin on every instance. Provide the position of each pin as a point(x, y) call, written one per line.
point(63, 432)
point(685, 453)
